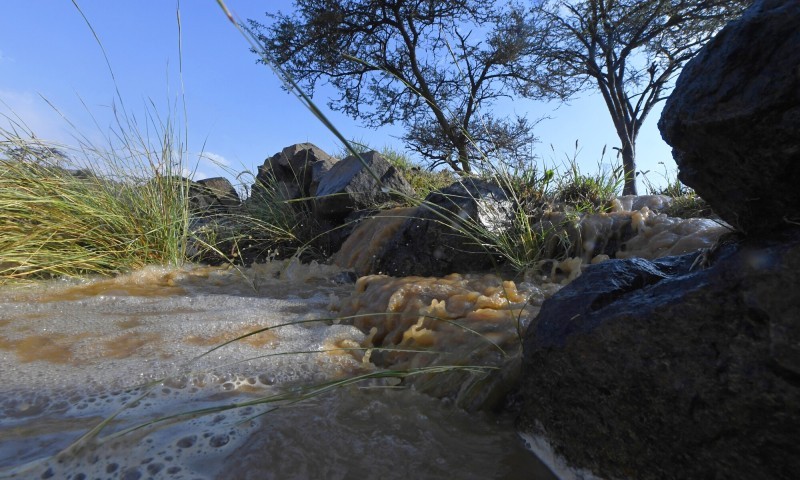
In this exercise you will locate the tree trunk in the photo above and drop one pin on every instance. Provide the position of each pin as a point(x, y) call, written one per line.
point(462, 150)
point(629, 167)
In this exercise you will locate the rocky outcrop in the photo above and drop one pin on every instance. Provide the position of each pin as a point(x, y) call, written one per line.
point(445, 234)
point(654, 369)
point(328, 195)
point(645, 370)
point(733, 119)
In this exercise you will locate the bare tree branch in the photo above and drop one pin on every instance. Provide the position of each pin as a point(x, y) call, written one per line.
point(630, 50)
point(435, 67)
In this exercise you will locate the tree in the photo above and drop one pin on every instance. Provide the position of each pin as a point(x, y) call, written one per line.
point(631, 50)
point(433, 66)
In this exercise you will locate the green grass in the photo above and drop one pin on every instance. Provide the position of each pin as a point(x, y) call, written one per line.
point(589, 193)
point(423, 181)
point(127, 209)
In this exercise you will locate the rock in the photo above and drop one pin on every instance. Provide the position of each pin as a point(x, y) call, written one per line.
point(348, 186)
point(647, 370)
point(432, 243)
point(213, 193)
point(295, 172)
point(733, 119)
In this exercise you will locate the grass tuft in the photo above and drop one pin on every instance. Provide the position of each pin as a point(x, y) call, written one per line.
point(58, 218)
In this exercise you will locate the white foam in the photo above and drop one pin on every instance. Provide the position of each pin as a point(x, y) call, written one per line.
point(556, 463)
point(75, 353)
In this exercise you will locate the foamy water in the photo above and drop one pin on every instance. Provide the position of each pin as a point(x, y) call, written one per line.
point(196, 373)
point(138, 349)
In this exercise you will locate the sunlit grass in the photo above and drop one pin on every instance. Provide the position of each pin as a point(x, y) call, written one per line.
point(114, 212)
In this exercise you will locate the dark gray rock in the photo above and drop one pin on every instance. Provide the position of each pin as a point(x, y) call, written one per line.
point(650, 370)
point(294, 172)
point(349, 186)
point(733, 119)
point(215, 192)
point(432, 243)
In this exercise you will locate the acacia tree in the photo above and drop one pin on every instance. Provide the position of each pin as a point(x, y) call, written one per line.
point(631, 50)
point(433, 66)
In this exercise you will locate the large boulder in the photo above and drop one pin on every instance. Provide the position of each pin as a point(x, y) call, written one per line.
point(650, 370)
point(733, 119)
point(294, 172)
point(358, 183)
point(446, 233)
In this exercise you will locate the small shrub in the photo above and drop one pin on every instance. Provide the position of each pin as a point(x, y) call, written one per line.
point(590, 193)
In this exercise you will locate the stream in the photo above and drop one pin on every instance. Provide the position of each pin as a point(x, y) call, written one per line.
point(284, 370)
point(136, 349)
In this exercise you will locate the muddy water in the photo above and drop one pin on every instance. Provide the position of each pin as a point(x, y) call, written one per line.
point(136, 349)
point(197, 373)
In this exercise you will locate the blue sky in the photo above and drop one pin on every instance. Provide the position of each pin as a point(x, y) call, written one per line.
point(237, 113)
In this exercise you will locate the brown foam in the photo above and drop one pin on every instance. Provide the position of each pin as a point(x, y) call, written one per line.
point(52, 347)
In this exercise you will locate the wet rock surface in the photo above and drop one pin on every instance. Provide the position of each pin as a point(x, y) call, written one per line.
point(643, 369)
point(733, 119)
point(432, 243)
point(668, 369)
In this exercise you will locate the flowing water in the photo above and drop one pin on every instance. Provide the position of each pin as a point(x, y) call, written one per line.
point(76, 355)
point(204, 373)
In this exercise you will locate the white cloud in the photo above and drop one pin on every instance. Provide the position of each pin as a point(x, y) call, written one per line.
point(195, 174)
point(215, 159)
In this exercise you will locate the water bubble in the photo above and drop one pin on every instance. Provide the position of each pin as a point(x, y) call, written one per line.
point(186, 442)
point(131, 474)
point(219, 440)
point(266, 379)
point(218, 419)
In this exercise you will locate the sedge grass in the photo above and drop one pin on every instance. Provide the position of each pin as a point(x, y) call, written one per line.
point(54, 222)
point(129, 209)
